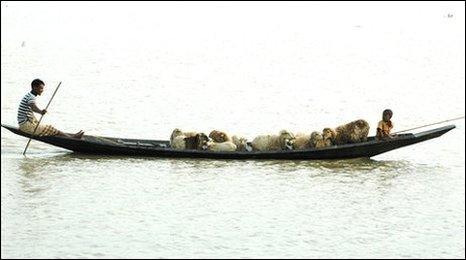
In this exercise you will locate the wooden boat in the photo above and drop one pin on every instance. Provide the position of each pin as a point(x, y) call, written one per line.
point(160, 148)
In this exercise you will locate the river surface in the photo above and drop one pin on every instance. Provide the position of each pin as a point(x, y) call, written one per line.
point(140, 70)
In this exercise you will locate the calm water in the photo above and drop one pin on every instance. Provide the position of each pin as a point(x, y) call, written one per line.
point(249, 69)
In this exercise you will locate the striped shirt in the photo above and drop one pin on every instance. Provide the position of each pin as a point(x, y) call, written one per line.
point(25, 111)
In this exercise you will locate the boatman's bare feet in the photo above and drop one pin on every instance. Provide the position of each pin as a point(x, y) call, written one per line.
point(79, 134)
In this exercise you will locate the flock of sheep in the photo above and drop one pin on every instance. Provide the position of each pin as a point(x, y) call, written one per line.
point(353, 132)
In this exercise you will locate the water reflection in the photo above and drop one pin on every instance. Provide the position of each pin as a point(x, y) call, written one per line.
point(359, 164)
point(33, 174)
point(350, 170)
point(32, 165)
point(39, 174)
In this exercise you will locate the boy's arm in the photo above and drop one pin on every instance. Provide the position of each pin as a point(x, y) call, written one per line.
point(380, 133)
point(391, 135)
point(36, 109)
point(383, 134)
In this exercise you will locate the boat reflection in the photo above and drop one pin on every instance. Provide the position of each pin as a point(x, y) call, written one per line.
point(41, 164)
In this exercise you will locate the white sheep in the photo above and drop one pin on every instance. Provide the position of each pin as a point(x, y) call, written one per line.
point(221, 147)
point(283, 141)
point(242, 144)
point(177, 138)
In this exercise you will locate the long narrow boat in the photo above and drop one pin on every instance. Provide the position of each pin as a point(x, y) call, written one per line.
point(160, 148)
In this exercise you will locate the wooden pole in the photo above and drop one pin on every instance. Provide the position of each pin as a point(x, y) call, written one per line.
point(35, 129)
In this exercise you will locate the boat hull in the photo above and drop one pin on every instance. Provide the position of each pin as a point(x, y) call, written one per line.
point(160, 148)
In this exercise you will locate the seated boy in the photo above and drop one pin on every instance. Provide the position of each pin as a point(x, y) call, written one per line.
point(385, 125)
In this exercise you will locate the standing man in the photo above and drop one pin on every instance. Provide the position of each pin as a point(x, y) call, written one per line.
point(28, 122)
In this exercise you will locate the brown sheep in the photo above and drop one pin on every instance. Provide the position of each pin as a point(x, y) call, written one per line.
point(353, 132)
point(302, 141)
point(219, 136)
point(197, 142)
point(316, 140)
